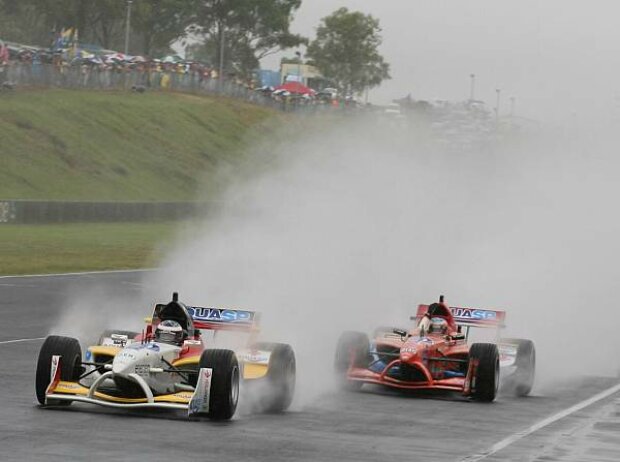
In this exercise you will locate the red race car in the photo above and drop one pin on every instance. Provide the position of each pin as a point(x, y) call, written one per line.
point(435, 354)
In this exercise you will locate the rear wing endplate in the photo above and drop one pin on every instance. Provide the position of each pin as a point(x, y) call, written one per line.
point(475, 317)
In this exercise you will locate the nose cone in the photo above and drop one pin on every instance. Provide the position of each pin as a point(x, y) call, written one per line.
point(409, 353)
point(125, 362)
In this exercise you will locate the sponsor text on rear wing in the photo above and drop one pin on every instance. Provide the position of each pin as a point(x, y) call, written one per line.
point(223, 318)
point(475, 317)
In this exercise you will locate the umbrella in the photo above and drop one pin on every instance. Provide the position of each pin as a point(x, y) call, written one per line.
point(171, 59)
point(93, 60)
point(266, 89)
point(296, 88)
point(118, 57)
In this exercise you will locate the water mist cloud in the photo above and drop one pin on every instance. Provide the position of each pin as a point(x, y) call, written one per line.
point(357, 226)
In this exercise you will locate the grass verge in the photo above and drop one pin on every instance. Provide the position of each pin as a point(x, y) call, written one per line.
point(122, 146)
point(44, 249)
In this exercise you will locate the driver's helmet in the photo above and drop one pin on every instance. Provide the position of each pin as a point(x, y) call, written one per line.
point(169, 331)
point(438, 326)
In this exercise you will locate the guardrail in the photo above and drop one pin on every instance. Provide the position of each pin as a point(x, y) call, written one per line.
point(31, 212)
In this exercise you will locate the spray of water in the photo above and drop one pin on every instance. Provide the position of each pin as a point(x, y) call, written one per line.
point(357, 224)
point(90, 310)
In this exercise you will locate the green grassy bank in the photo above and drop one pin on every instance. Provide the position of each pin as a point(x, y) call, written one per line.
point(39, 249)
point(90, 145)
point(114, 146)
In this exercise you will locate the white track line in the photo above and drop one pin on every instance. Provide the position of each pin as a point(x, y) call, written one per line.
point(85, 273)
point(20, 340)
point(543, 423)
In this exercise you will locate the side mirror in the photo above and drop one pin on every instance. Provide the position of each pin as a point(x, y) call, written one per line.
point(403, 333)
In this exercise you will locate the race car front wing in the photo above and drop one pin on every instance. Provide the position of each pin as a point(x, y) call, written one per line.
point(196, 401)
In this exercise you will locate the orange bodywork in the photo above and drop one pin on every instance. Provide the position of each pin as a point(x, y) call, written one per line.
point(433, 361)
point(418, 360)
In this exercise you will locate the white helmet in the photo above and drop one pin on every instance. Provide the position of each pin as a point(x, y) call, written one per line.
point(169, 331)
point(438, 326)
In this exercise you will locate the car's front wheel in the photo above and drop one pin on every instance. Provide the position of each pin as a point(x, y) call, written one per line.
point(70, 353)
point(224, 394)
point(485, 381)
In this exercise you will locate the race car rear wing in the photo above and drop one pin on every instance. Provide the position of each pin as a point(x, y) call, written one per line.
point(203, 318)
point(474, 317)
point(224, 319)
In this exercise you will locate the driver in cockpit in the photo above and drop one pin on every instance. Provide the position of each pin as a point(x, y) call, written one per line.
point(438, 326)
point(431, 324)
point(169, 331)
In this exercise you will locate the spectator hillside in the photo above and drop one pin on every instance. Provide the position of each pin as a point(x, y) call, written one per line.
point(85, 145)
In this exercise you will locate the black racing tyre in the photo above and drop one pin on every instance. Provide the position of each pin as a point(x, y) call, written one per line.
point(281, 377)
point(522, 381)
point(108, 333)
point(70, 354)
point(485, 382)
point(224, 382)
point(352, 350)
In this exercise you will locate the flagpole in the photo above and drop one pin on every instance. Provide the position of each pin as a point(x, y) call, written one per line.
point(128, 26)
point(75, 43)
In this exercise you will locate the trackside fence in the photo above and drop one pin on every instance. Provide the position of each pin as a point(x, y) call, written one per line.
point(25, 211)
point(143, 79)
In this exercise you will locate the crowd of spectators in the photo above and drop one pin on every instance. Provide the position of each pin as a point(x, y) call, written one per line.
point(33, 66)
point(73, 68)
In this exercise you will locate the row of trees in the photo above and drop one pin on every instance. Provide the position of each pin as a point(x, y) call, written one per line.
point(155, 23)
point(238, 32)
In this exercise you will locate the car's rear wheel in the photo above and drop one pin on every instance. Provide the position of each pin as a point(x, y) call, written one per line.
point(522, 380)
point(70, 353)
point(281, 377)
point(224, 394)
point(485, 381)
point(352, 350)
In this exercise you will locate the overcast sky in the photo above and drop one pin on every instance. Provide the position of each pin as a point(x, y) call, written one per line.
point(555, 57)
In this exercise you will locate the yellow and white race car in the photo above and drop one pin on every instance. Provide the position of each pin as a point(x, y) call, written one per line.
point(173, 364)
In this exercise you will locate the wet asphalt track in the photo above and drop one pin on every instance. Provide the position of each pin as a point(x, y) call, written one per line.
point(338, 427)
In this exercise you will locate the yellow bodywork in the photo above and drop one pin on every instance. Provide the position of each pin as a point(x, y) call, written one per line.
point(73, 388)
point(189, 361)
point(254, 371)
point(250, 370)
point(108, 350)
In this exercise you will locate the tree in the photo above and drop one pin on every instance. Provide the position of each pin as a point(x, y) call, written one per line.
point(160, 22)
point(245, 30)
point(156, 23)
point(106, 23)
point(36, 21)
point(346, 51)
point(17, 21)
